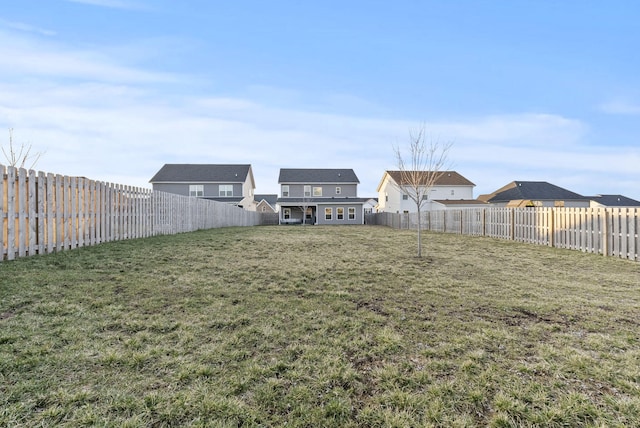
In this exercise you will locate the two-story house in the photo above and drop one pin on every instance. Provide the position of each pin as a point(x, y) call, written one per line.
point(320, 196)
point(393, 192)
point(233, 184)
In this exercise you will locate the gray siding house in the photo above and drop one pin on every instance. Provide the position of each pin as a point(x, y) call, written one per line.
point(233, 184)
point(320, 196)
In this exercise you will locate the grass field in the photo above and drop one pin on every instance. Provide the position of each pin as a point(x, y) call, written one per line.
point(319, 327)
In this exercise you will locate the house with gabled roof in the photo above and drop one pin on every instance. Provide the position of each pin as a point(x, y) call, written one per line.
point(229, 183)
point(394, 190)
point(266, 203)
point(534, 194)
point(319, 196)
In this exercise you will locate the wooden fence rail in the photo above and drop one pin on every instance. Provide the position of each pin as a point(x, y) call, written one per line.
point(607, 231)
point(41, 213)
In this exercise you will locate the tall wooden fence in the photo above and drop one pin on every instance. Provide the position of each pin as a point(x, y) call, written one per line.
point(607, 231)
point(42, 213)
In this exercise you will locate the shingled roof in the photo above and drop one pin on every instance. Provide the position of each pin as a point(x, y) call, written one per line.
point(615, 201)
point(446, 178)
point(310, 175)
point(531, 190)
point(201, 173)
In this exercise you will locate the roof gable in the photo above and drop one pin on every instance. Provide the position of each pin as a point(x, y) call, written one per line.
point(311, 175)
point(203, 173)
point(268, 198)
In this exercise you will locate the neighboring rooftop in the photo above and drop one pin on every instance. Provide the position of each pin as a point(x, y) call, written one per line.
point(531, 190)
point(311, 175)
point(446, 178)
point(451, 202)
point(270, 199)
point(201, 173)
point(615, 201)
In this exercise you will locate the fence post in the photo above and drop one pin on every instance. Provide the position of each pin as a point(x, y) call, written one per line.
point(3, 180)
point(512, 221)
point(11, 213)
point(605, 234)
point(552, 227)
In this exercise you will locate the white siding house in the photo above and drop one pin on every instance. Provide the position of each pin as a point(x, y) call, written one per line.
point(393, 196)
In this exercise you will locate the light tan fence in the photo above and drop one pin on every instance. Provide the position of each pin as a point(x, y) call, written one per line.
point(42, 213)
point(606, 231)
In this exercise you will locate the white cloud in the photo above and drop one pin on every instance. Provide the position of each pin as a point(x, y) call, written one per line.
point(26, 28)
point(117, 4)
point(622, 107)
point(25, 59)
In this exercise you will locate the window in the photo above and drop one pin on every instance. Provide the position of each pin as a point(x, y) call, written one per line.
point(317, 191)
point(425, 197)
point(264, 209)
point(226, 190)
point(309, 213)
point(328, 213)
point(286, 213)
point(285, 190)
point(340, 213)
point(338, 190)
point(196, 190)
point(453, 192)
point(352, 213)
point(405, 197)
point(307, 191)
point(386, 198)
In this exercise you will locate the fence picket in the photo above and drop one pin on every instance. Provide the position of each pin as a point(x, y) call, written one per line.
point(3, 204)
point(11, 210)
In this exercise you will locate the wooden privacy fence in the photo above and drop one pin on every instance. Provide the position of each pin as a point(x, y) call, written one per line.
point(606, 231)
point(42, 213)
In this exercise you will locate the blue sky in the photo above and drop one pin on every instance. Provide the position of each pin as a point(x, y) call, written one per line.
point(539, 90)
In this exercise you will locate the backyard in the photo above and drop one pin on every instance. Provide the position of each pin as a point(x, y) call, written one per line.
point(319, 326)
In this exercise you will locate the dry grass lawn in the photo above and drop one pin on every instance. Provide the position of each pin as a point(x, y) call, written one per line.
point(319, 326)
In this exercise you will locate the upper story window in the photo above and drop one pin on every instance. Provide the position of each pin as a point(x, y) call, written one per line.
point(338, 190)
point(226, 190)
point(453, 192)
point(285, 190)
point(405, 197)
point(196, 190)
point(317, 191)
point(307, 191)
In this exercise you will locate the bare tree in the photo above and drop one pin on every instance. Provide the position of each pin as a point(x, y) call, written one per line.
point(19, 156)
point(304, 206)
point(427, 159)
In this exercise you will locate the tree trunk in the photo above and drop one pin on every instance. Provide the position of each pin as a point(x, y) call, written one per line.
point(419, 235)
